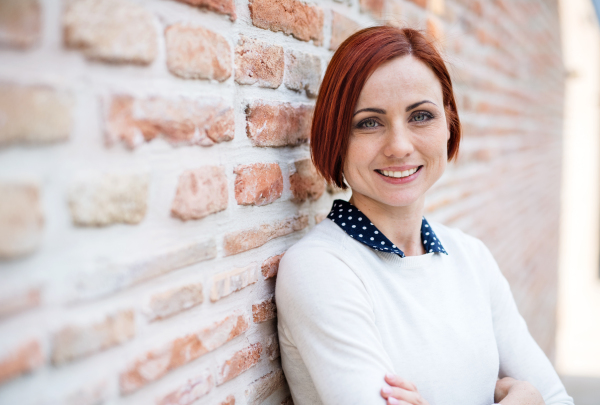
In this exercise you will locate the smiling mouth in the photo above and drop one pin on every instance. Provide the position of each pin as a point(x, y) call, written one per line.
point(399, 175)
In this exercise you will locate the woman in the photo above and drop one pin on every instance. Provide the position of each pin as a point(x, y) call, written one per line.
point(375, 289)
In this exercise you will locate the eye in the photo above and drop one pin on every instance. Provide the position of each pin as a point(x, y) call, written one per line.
point(421, 116)
point(368, 123)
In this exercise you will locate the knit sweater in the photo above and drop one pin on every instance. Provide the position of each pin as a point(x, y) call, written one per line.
point(348, 314)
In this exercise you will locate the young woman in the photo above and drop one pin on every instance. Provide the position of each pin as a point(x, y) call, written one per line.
point(375, 289)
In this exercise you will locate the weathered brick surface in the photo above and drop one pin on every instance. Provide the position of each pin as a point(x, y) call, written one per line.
point(258, 62)
point(258, 184)
point(75, 341)
point(19, 300)
point(200, 192)
point(181, 121)
point(437, 6)
point(34, 115)
point(20, 23)
point(341, 28)
point(230, 400)
point(375, 7)
point(110, 198)
point(197, 53)
point(234, 280)
point(189, 392)
point(226, 7)
point(306, 183)
point(21, 219)
point(302, 72)
point(237, 242)
point(420, 3)
point(270, 266)
point(157, 363)
point(262, 388)
point(283, 124)
point(264, 311)
point(293, 17)
point(173, 301)
point(22, 359)
point(91, 393)
point(272, 349)
point(241, 361)
point(111, 30)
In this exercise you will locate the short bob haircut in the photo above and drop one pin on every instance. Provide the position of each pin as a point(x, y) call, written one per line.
point(352, 64)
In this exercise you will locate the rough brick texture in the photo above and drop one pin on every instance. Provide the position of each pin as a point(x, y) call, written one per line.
point(272, 349)
point(157, 363)
point(226, 7)
point(111, 30)
point(270, 266)
point(104, 199)
point(197, 53)
point(302, 72)
point(181, 121)
point(258, 184)
point(20, 23)
point(258, 62)
point(264, 311)
point(188, 393)
point(22, 359)
point(238, 242)
point(306, 183)
point(341, 28)
point(282, 124)
point(21, 219)
point(19, 300)
point(175, 300)
point(230, 400)
point(34, 115)
point(238, 363)
point(75, 341)
point(293, 17)
point(200, 192)
point(262, 388)
point(234, 280)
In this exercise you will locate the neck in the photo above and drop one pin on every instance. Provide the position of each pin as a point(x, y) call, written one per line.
point(401, 225)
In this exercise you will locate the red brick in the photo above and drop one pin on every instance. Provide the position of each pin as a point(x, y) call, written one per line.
point(258, 184)
point(258, 62)
point(264, 311)
point(115, 31)
point(302, 72)
point(435, 30)
point(375, 7)
point(293, 17)
point(270, 266)
point(273, 347)
point(19, 300)
point(189, 392)
point(223, 284)
point(75, 341)
point(200, 192)
point(262, 388)
point(239, 362)
point(34, 115)
point(23, 359)
point(230, 400)
point(241, 241)
point(181, 121)
point(226, 7)
point(156, 363)
point(100, 199)
point(306, 183)
point(175, 300)
point(282, 124)
point(420, 3)
point(20, 23)
point(197, 53)
point(437, 7)
point(341, 28)
point(21, 219)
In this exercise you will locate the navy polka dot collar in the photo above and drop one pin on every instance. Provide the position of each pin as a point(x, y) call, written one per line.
point(358, 226)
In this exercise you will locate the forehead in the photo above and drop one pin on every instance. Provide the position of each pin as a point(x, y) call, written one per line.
point(401, 80)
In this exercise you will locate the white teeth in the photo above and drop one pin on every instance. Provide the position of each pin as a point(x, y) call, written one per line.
point(398, 175)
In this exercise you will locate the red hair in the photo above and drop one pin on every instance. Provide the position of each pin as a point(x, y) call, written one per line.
point(350, 67)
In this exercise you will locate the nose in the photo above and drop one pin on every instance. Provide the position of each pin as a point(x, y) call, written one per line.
point(398, 143)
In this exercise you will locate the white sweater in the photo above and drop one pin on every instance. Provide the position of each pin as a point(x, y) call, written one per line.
point(348, 314)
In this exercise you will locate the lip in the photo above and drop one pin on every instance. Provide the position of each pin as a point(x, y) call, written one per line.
point(403, 180)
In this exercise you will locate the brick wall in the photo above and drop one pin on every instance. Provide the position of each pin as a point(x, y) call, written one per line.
point(153, 169)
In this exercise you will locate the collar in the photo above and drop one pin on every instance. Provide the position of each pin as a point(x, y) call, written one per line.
point(358, 226)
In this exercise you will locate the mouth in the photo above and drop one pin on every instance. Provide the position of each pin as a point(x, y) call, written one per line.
point(398, 175)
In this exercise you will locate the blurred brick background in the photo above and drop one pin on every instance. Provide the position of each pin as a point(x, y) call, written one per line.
point(153, 169)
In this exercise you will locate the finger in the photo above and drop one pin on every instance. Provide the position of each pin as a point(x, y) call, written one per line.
point(394, 401)
point(399, 382)
point(400, 394)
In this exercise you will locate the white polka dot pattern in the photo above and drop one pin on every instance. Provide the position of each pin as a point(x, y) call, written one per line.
point(371, 236)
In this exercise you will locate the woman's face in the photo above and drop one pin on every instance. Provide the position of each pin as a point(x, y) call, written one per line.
point(398, 141)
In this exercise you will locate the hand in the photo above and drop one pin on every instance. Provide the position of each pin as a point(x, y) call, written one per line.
point(502, 387)
point(513, 392)
point(401, 392)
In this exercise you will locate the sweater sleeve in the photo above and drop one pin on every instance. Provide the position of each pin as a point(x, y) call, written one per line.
point(325, 316)
point(520, 356)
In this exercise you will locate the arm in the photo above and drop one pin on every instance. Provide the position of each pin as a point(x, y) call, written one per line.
point(325, 312)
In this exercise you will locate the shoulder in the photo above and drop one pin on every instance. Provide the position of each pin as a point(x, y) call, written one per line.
point(459, 244)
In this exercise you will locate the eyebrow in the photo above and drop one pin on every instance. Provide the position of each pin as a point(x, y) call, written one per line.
point(381, 111)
